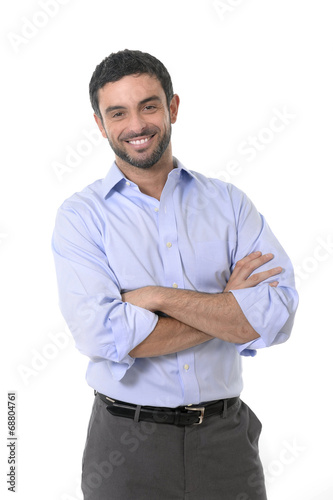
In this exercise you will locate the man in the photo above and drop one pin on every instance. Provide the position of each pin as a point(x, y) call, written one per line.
point(155, 266)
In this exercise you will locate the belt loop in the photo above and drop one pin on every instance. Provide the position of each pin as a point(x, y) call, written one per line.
point(225, 408)
point(137, 414)
point(177, 417)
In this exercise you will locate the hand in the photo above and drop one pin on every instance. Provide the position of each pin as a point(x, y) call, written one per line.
point(240, 277)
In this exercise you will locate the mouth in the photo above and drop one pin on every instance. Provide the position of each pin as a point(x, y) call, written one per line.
point(137, 143)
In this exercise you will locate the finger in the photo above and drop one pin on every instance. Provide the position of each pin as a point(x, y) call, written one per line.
point(259, 262)
point(260, 277)
point(250, 263)
point(274, 284)
point(249, 258)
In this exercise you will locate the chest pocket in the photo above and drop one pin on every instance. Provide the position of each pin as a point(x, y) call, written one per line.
point(212, 265)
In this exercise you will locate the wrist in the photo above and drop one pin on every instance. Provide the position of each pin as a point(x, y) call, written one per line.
point(157, 294)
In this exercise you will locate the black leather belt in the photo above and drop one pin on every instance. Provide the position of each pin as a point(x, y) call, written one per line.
point(182, 415)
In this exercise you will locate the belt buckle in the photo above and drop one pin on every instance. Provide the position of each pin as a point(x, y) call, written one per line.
point(197, 408)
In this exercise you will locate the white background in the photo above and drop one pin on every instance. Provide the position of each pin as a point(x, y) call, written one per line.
point(233, 66)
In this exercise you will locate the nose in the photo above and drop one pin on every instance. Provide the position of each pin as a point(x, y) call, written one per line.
point(136, 123)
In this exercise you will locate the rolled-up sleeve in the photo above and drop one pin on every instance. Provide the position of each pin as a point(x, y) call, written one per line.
point(103, 326)
point(269, 310)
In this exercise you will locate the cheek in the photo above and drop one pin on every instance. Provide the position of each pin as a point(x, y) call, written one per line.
point(166, 123)
point(114, 133)
point(161, 120)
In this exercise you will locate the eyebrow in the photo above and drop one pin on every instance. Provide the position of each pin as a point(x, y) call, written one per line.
point(109, 109)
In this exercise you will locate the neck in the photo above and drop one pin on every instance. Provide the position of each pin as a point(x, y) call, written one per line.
point(150, 181)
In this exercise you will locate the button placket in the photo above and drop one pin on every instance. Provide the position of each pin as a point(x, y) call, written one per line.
point(186, 361)
point(173, 269)
point(174, 277)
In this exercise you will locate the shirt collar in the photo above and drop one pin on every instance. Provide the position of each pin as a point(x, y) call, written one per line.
point(115, 175)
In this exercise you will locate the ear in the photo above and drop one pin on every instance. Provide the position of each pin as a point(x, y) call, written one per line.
point(100, 124)
point(174, 105)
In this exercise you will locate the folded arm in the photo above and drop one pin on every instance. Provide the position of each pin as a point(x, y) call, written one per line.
point(168, 337)
point(213, 315)
point(259, 311)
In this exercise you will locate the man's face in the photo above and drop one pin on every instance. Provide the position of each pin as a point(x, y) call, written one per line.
point(136, 119)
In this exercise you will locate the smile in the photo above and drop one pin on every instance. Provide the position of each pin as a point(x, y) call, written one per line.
point(137, 142)
point(142, 141)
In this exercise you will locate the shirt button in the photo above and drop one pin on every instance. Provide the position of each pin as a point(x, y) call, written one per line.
point(169, 245)
point(186, 367)
point(175, 285)
point(128, 183)
point(156, 209)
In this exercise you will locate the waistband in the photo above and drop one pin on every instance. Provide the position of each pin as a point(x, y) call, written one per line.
point(182, 415)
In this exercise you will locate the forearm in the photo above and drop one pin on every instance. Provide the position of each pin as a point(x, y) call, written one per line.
point(168, 337)
point(218, 315)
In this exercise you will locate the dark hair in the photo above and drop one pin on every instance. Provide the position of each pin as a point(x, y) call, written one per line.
point(123, 63)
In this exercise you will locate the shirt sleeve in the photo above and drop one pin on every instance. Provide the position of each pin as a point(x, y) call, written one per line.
point(103, 326)
point(269, 310)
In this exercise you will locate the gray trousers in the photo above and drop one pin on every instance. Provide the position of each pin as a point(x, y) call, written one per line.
point(217, 460)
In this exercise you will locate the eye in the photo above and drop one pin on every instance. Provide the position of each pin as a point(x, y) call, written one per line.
point(150, 107)
point(117, 115)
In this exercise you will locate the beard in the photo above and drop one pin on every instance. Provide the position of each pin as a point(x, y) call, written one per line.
point(143, 161)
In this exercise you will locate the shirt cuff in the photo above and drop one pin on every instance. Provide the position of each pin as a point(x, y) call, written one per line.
point(270, 313)
point(129, 328)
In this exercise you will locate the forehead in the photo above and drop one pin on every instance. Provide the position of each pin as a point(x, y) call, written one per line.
point(130, 90)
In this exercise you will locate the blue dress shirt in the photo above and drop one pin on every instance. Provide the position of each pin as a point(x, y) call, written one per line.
point(111, 238)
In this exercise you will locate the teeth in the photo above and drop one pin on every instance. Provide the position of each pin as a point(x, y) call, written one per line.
point(140, 141)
